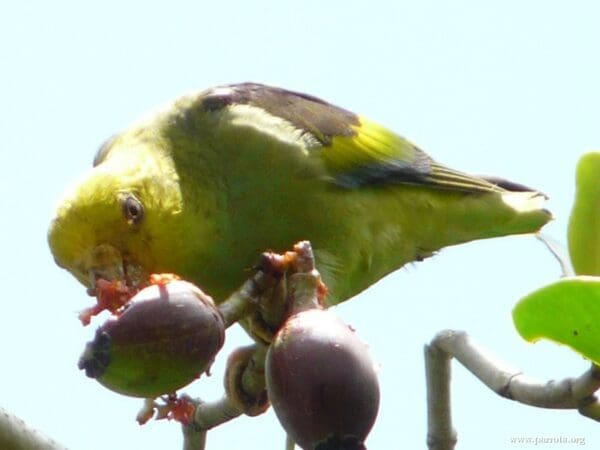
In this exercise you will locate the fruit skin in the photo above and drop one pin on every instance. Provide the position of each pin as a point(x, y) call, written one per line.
point(321, 382)
point(167, 336)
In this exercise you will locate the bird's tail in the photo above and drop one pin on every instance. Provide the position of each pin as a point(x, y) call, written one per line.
point(529, 208)
point(527, 203)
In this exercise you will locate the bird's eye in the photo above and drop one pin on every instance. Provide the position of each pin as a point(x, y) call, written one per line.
point(133, 210)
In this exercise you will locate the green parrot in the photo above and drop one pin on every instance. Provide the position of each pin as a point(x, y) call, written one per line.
point(205, 185)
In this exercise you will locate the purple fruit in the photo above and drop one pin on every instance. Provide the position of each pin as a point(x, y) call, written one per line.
point(321, 382)
point(168, 335)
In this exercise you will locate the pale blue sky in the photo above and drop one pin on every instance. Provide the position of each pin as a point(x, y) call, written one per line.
point(507, 88)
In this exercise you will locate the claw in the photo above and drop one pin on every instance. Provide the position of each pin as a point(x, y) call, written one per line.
point(276, 264)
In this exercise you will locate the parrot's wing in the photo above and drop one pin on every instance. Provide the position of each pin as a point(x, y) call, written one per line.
point(375, 155)
point(355, 151)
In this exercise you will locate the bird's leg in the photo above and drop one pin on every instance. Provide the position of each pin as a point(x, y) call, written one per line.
point(277, 300)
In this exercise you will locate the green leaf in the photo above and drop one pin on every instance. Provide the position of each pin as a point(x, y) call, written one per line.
point(584, 224)
point(567, 312)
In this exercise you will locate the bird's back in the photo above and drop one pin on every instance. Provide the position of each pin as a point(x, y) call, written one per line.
point(293, 167)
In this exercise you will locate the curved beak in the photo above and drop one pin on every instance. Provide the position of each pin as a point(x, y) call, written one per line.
point(104, 262)
point(108, 263)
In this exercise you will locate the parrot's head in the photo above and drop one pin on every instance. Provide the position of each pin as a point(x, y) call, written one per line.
point(126, 218)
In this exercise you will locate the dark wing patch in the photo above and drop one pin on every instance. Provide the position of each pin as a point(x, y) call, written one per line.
point(423, 172)
point(355, 151)
point(510, 185)
point(311, 114)
point(394, 171)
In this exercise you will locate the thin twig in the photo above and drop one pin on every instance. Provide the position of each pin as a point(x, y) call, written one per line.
point(440, 435)
point(16, 434)
point(506, 381)
point(209, 415)
point(193, 438)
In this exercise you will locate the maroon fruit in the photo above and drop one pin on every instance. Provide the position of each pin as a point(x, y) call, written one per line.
point(168, 335)
point(321, 382)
